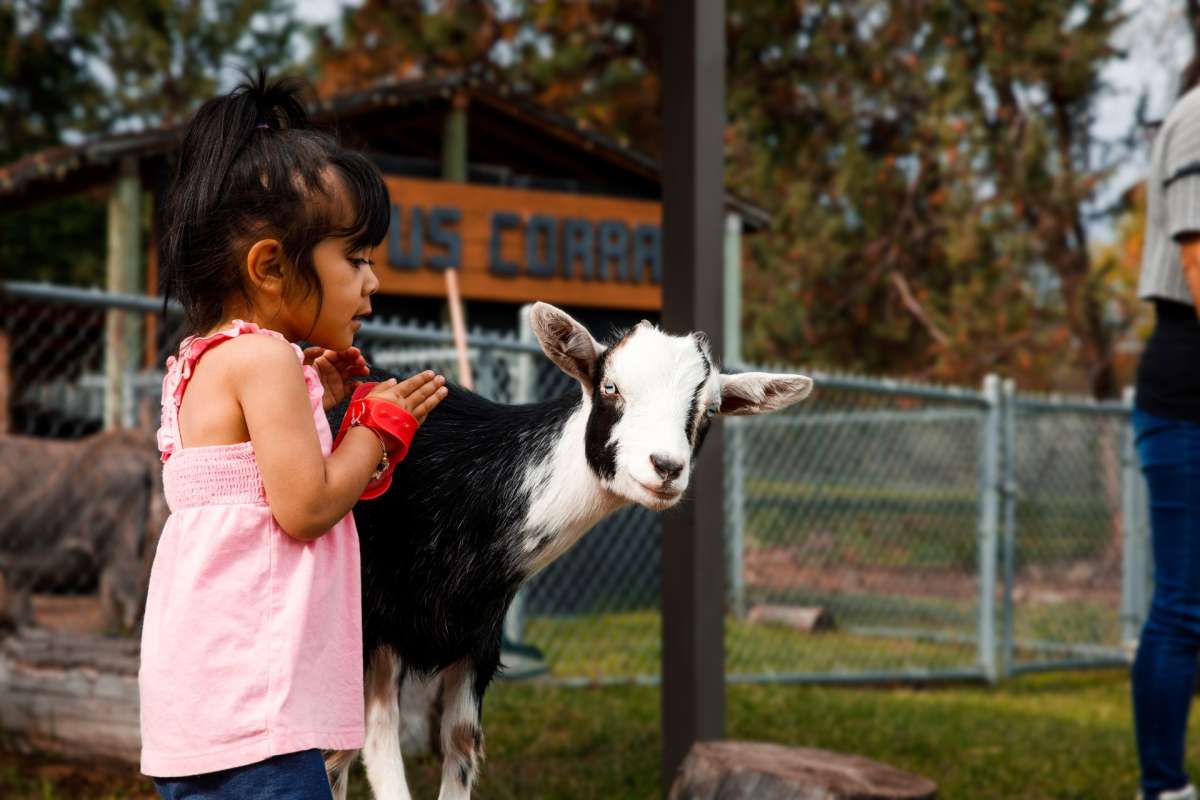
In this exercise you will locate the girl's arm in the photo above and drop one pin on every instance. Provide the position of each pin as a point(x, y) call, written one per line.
point(307, 492)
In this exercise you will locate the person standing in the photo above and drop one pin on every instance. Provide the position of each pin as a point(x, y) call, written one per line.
point(1166, 424)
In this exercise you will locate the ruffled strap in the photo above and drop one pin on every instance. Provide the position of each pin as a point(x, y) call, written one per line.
point(179, 371)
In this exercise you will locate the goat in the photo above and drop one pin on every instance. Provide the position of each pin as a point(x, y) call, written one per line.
point(489, 494)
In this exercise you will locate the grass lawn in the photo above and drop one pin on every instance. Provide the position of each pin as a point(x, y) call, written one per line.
point(1047, 736)
point(615, 645)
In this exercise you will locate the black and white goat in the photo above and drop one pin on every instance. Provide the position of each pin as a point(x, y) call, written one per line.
point(490, 494)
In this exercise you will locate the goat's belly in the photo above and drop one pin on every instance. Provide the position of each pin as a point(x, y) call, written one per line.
point(428, 648)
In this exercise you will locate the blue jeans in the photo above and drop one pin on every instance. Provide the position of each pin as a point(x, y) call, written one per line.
point(293, 776)
point(1164, 672)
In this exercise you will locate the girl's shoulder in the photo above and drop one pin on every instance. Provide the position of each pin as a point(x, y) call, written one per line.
point(239, 351)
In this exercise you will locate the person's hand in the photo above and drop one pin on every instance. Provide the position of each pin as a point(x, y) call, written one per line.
point(337, 371)
point(417, 395)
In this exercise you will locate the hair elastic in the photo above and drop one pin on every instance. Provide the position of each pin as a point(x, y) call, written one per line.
point(262, 125)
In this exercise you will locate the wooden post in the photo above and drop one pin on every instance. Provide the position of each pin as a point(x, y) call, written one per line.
point(693, 575)
point(122, 341)
point(454, 168)
point(150, 357)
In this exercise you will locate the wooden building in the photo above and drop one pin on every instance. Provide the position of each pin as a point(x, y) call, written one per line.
point(523, 202)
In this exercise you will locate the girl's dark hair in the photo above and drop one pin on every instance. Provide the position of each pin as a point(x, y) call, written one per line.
point(252, 165)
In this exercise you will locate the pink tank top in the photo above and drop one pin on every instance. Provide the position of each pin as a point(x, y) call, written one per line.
point(252, 640)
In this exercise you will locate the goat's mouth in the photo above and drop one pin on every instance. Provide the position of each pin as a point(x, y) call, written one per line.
point(662, 495)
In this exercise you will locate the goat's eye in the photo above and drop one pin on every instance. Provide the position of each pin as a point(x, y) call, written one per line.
point(608, 388)
point(711, 411)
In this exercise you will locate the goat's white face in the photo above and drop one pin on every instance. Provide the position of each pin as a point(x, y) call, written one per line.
point(651, 399)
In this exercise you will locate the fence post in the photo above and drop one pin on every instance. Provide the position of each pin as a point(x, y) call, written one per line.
point(735, 512)
point(525, 391)
point(989, 508)
point(1133, 557)
point(1009, 490)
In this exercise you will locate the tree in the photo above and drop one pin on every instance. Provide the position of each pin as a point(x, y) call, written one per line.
point(80, 70)
point(929, 163)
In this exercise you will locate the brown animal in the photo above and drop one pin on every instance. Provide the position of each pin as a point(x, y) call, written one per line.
point(80, 516)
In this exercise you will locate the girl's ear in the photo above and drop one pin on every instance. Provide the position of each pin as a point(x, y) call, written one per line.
point(264, 267)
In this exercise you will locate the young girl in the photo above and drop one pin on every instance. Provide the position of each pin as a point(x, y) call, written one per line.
point(252, 640)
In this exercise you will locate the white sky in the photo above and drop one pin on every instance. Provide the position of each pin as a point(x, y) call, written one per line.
point(1155, 39)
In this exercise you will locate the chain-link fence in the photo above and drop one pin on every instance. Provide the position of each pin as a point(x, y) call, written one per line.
point(878, 531)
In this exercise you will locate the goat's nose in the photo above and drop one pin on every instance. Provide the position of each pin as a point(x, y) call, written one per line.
point(666, 468)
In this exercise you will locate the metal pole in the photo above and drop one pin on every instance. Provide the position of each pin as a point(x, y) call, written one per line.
point(1009, 407)
point(525, 392)
point(693, 669)
point(735, 431)
point(735, 522)
point(733, 288)
point(989, 507)
point(1131, 563)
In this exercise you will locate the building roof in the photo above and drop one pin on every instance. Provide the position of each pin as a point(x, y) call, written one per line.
point(597, 161)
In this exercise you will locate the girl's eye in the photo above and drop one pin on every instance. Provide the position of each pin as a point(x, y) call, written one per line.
point(358, 262)
point(608, 388)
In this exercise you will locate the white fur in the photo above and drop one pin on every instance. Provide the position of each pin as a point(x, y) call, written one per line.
point(656, 376)
point(566, 497)
point(460, 708)
point(381, 747)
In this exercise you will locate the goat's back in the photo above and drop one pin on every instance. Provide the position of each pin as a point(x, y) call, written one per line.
point(440, 549)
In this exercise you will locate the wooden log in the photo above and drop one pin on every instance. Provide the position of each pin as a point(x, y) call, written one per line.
point(70, 694)
point(802, 618)
point(743, 770)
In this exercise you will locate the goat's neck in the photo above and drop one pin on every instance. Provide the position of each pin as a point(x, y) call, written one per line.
point(566, 497)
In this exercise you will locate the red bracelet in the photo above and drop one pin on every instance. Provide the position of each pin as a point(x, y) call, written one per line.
point(395, 426)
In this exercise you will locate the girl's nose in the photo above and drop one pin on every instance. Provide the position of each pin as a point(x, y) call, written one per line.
point(372, 285)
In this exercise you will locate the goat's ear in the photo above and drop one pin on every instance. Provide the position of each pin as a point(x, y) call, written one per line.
point(760, 392)
point(565, 342)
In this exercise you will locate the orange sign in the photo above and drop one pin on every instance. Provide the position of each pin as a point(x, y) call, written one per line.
point(520, 245)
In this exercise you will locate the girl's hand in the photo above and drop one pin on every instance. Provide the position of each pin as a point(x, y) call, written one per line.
point(417, 395)
point(337, 371)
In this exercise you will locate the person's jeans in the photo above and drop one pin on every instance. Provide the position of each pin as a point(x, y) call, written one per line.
point(1164, 672)
point(293, 776)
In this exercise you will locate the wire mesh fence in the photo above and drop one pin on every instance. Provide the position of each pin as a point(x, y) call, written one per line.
point(862, 505)
point(879, 531)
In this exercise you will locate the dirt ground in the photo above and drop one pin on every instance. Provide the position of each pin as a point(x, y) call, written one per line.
point(42, 777)
point(784, 568)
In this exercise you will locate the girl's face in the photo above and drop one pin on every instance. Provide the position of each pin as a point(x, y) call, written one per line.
point(347, 281)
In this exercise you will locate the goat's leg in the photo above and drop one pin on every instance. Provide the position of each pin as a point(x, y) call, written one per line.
point(462, 736)
point(381, 749)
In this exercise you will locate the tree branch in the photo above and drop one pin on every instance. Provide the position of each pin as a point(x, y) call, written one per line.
point(915, 308)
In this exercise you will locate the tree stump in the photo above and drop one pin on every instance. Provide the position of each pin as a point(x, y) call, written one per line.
point(745, 770)
point(70, 694)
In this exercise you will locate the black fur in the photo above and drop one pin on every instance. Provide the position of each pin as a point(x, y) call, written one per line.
point(439, 559)
point(601, 452)
point(690, 424)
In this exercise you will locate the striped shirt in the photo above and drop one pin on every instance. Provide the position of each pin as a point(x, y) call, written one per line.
point(1173, 201)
